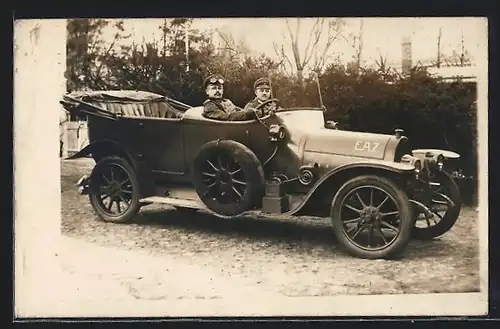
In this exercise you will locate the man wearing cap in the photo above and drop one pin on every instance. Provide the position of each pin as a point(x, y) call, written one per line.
point(219, 108)
point(262, 89)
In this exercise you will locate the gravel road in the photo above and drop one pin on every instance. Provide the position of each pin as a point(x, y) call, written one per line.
point(290, 257)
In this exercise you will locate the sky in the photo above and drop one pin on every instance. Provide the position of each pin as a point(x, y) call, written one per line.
point(381, 36)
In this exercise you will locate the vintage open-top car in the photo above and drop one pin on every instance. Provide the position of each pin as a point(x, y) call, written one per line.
point(151, 149)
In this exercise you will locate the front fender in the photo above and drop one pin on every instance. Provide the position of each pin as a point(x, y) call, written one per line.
point(353, 169)
point(422, 154)
point(366, 165)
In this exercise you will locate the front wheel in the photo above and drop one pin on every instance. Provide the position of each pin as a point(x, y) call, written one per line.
point(371, 217)
point(444, 202)
point(114, 190)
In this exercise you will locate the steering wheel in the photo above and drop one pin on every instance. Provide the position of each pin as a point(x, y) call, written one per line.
point(271, 100)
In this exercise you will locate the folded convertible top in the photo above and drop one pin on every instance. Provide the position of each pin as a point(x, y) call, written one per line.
point(116, 96)
point(110, 103)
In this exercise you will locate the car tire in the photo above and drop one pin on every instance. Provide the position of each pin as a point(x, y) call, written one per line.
point(228, 177)
point(449, 219)
point(382, 188)
point(119, 170)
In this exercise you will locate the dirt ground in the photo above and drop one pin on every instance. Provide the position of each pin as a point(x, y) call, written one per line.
point(290, 257)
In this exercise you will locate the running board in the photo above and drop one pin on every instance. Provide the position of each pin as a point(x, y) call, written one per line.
point(189, 203)
point(176, 202)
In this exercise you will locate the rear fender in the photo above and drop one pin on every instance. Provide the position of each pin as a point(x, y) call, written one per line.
point(326, 187)
point(86, 151)
point(104, 148)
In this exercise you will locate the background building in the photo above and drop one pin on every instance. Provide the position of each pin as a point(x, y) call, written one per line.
point(457, 65)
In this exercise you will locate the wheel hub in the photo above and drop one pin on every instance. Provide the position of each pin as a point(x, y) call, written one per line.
point(224, 180)
point(370, 215)
point(114, 187)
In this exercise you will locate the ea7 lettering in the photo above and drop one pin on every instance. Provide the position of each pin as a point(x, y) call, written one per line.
point(366, 146)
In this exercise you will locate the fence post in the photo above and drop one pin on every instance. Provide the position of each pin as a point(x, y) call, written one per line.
point(64, 127)
point(78, 137)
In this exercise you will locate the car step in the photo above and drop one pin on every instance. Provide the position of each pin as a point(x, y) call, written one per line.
point(177, 202)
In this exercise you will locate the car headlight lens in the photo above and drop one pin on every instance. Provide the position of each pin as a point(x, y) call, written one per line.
point(440, 160)
point(434, 162)
point(411, 160)
point(418, 165)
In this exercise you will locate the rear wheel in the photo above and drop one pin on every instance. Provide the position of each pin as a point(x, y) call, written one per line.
point(114, 190)
point(228, 177)
point(371, 217)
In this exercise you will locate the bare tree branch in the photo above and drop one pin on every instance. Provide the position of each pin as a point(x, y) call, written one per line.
point(105, 56)
point(280, 52)
point(316, 32)
point(381, 63)
point(438, 62)
point(359, 49)
point(315, 54)
point(332, 35)
point(294, 43)
point(228, 43)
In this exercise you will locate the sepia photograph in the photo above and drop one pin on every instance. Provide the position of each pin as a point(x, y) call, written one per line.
point(208, 167)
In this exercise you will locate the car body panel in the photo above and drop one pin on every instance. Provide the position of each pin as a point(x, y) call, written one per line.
point(339, 142)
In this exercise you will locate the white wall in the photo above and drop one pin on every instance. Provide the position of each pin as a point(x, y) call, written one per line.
point(39, 64)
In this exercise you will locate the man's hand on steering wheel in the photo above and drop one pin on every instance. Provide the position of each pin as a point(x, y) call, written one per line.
point(273, 101)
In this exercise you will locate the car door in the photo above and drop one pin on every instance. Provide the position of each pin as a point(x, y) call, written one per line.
point(161, 144)
point(250, 133)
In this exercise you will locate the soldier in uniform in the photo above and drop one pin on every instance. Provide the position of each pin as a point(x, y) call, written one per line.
point(262, 89)
point(219, 108)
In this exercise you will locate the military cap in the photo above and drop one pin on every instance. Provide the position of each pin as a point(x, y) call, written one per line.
point(213, 79)
point(262, 82)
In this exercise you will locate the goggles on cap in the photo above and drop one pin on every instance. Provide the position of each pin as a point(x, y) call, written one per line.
point(214, 80)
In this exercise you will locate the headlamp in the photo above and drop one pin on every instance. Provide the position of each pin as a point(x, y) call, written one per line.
point(434, 161)
point(418, 165)
point(413, 161)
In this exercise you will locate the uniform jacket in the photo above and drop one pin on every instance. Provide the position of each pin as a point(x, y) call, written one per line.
point(224, 109)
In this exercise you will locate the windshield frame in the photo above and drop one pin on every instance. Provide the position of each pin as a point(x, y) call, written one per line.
point(305, 108)
point(303, 119)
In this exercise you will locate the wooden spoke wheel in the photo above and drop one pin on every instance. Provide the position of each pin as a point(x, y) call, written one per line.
point(228, 177)
point(114, 190)
point(371, 217)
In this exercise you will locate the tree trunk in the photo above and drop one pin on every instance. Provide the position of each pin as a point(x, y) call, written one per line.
point(300, 75)
point(438, 64)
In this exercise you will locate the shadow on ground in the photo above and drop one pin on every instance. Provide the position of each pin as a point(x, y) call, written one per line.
point(292, 229)
point(299, 233)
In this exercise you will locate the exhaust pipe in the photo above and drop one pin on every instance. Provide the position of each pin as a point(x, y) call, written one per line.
point(83, 185)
